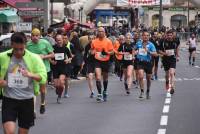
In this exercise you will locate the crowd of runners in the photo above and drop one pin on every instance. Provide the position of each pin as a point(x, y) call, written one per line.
point(32, 63)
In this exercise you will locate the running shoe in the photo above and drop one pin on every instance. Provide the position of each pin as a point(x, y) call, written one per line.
point(66, 96)
point(141, 95)
point(148, 96)
point(172, 91)
point(193, 64)
point(99, 98)
point(92, 95)
point(128, 92)
point(42, 109)
point(59, 100)
point(105, 96)
point(156, 77)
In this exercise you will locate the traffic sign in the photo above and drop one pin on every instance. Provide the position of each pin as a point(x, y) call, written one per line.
point(31, 13)
point(24, 27)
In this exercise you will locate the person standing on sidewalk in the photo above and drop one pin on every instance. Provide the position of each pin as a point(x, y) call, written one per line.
point(21, 72)
point(102, 49)
point(43, 48)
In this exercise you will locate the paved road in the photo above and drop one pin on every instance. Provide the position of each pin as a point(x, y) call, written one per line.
point(163, 114)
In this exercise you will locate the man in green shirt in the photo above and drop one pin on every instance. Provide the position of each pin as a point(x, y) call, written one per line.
point(43, 48)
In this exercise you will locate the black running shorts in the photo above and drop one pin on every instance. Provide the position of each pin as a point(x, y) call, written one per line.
point(23, 110)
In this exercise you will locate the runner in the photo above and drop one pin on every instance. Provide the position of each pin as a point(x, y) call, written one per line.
point(21, 72)
point(127, 62)
point(102, 49)
point(136, 39)
point(69, 66)
point(170, 51)
point(62, 57)
point(89, 61)
point(145, 50)
point(192, 42)
point(118, 57)
point(155, 60)
point(45, 50)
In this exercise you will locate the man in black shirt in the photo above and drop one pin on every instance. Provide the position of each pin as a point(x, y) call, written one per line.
point(169, 48)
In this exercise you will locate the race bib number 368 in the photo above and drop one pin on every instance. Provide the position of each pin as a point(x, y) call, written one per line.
point(17, 81)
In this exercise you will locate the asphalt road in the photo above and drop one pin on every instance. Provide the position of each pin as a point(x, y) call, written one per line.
point(121, 114)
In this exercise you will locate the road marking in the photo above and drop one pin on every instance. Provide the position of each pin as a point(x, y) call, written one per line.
point(161, 131)
point(197, 66)
point(167, 100)
point(168, 95)
point(166, 109)
point(164, 120)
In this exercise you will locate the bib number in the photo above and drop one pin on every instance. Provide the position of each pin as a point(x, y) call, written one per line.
point(128, 57)
point(142, 52)
point(59, 56)
point(17, 81)
point(170, 52)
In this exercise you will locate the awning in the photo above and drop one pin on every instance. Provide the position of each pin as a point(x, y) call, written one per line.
point(8, 15)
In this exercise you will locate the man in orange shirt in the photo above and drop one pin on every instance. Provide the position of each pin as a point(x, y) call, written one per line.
point(102, 49)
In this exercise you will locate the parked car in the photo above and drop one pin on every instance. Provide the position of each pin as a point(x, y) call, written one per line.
point(5, 42)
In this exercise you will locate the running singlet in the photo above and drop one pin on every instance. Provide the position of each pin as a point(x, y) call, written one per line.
point(61, 54)
point(143, 54)
point(127, 48)
point(102, 45)
point(192, 43)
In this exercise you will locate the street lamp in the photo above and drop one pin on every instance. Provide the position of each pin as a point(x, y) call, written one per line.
point(160, 15)
point(188, 6)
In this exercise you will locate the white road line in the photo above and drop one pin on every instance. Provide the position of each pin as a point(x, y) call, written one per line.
point(161, 131)
point(166, 109)
point(168, 95)
point(167, 100)
point(164, 120)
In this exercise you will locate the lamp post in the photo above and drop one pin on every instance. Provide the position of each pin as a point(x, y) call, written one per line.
point(51, 11)
point(188, 6)
point(160, 15)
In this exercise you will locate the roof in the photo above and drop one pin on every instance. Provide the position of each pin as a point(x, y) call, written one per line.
point(8, 15)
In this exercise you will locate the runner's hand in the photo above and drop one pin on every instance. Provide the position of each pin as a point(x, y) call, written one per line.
point(42, 56)
point(177, 59)
point(103, 52)
point(3, 83)
point(25, 72)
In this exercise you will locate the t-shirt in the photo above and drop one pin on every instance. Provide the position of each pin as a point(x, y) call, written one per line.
point(19, 87)
point(127, 48)
point(61, 54)
point(102, 45)
point(169, 47)
point(143, 54)
point(155, 43)
point(192, 43)
point(42, 47)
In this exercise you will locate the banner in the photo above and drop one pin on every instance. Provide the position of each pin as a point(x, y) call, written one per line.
point(141, 2)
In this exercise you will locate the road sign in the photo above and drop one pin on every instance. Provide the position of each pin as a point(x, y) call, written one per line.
point(24, 27)
point(30, 5)
point(34, 13)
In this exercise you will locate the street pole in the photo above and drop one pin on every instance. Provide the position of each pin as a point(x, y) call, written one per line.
point(188, 12)
point(160, 15)
point(52, 12)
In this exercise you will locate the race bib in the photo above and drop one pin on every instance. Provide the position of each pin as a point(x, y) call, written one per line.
point(142, 52)
point(100, 55)
point(17, 81)
point(59, 56)
point(128, 57)
point(170, 52)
